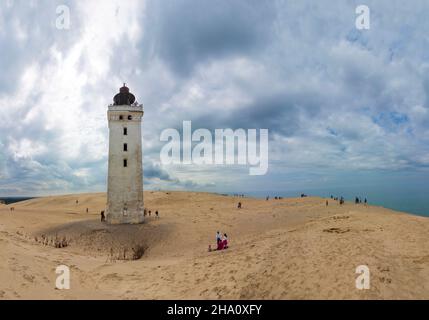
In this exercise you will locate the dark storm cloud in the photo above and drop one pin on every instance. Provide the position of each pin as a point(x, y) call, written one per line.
point(185, 33)
point(280, 113)
point(152, 170)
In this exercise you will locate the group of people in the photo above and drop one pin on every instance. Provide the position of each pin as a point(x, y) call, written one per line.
point(276, 198)
point(221, 240)
point(149, 212)
point(145, 213)
point(341, 199)
point(358, 200)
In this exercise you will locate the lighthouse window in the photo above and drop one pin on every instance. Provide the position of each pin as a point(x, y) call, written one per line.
point(130, 118)
point(121, 117)
point(125, 131)
point(125, 147)
point(125, 163)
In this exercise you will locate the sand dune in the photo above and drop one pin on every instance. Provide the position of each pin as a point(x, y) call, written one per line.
point(279, 249)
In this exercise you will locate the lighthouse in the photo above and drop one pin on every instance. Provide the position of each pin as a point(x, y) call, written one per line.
point(125, 172)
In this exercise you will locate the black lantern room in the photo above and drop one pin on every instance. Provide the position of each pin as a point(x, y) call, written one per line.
point(124, 97)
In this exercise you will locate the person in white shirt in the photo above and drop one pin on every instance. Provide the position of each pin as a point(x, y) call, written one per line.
point(218, 237)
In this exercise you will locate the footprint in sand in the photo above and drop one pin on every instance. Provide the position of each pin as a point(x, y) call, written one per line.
point(112, 276)
point(387, 280)
point(28, 277)
point(336, 230)
point(383, 269)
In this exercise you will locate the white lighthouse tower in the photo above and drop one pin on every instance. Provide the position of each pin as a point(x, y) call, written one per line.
point(125, 173)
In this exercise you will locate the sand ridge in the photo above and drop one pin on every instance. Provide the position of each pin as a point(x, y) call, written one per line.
point(296, 248)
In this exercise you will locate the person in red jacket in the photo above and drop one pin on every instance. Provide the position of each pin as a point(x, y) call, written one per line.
point(225, 241)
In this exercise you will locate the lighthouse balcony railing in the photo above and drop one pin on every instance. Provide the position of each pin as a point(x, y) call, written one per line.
point(133, 107)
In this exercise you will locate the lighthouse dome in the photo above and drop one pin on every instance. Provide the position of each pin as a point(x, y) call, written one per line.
point(124, 97)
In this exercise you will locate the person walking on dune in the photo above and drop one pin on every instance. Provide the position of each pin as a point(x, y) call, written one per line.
point(218, 237)
point(225, 241)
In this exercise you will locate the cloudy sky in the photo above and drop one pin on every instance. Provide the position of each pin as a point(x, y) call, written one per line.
point(343, 106)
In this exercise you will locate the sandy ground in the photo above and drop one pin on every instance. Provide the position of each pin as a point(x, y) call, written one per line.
point(279, 249)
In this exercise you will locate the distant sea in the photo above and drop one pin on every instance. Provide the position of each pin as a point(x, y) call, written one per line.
point(9, 200)
point(412, 200)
